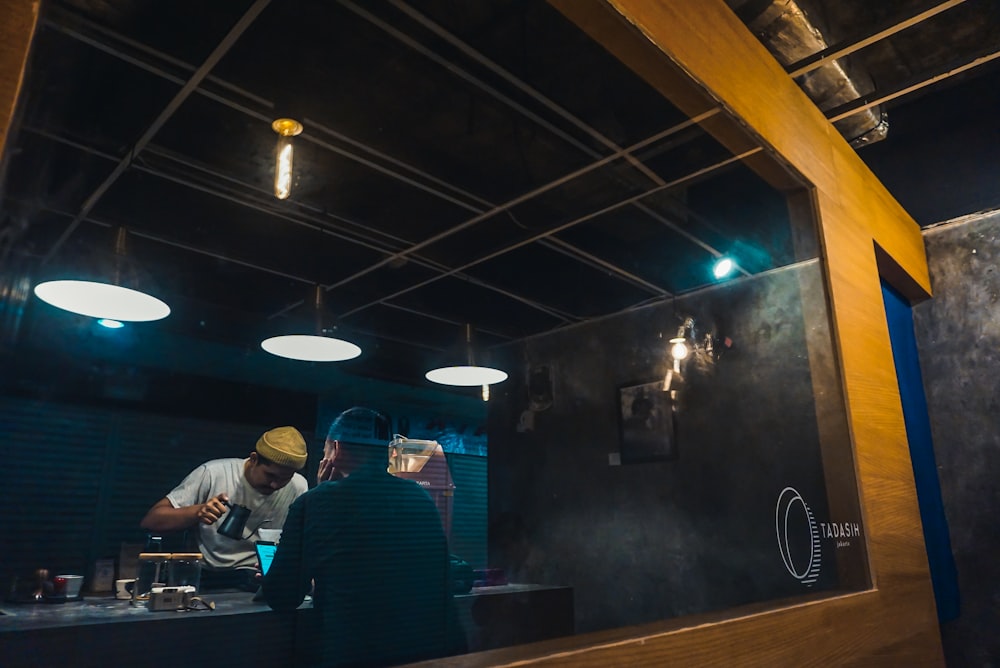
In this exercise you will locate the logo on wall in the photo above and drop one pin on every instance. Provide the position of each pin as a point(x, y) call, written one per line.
point(798, 536)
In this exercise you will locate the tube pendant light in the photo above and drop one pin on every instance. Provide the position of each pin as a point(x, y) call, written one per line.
point(466, 368)
point(111, 299)
point(317, 347)
point(284, 154)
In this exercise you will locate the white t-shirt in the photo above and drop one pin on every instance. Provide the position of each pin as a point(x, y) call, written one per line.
point(266, 510)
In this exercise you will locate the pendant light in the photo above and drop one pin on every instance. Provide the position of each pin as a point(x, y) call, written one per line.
point(283, 154)
point(111, 299)
point(466, 367)
point(318, 347)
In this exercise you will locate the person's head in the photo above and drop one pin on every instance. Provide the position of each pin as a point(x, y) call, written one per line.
point(279, 453)
point(359, 437)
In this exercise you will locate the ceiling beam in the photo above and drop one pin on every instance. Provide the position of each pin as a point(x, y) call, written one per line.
point(189, 87)
point(314, 221)
point(524, 197)
point(531, 92)
point(568, 249)
point(701, 173)
point(63, 26)
point(906, 88)
point(847, 47)
point(263, 111)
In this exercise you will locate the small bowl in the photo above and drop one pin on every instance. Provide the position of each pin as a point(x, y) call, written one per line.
point(269, 535)
point(73, 584)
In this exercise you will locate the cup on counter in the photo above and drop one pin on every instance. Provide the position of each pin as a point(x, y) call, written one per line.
point(123, 588)
point(269, 535)
point(68, 585)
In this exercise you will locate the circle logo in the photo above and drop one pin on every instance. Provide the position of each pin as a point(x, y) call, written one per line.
point(798, 536)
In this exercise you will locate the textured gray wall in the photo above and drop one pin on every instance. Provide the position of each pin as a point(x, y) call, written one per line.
point(958, 336)
point(649, 541)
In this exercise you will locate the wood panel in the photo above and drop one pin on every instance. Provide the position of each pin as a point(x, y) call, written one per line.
point(17, 26)
point(895, 622)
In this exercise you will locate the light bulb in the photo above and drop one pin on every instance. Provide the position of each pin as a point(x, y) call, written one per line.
point(110, 324)
point(679, 349)
point(283, 168)
point(486, 392)
point(283, 155)
point(723, 267)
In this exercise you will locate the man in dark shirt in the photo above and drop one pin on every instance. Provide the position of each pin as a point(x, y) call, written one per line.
point(373, 548)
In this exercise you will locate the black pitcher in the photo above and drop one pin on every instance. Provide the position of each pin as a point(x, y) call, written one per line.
point(236, 519)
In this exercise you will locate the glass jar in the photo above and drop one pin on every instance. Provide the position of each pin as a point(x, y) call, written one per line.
point(185, 569)
point(152, 572)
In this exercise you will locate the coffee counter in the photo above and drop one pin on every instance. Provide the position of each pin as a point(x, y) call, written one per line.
point(105, 632)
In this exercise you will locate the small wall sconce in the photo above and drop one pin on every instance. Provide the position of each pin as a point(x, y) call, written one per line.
point(687, 345)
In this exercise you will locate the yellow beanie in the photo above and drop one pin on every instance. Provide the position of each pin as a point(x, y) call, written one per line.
point(284, 446)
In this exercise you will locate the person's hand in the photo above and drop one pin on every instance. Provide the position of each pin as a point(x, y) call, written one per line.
point(325, 470)
point(210, 511)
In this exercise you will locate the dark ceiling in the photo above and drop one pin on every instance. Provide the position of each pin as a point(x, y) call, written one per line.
point(462, 162)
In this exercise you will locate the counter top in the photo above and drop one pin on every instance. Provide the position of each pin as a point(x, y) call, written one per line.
point(102, 631)
point(509, 589)
point(106, 610)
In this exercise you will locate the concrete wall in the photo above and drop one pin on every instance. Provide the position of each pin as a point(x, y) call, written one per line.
point(958, 335)
point(649, 541)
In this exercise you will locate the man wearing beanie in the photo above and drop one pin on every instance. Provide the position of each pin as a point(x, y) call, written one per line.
point(266, 482)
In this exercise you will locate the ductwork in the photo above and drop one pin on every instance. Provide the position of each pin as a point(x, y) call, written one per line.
point(784, 29)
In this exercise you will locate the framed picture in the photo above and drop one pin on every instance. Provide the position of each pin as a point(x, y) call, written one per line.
point(646, 423)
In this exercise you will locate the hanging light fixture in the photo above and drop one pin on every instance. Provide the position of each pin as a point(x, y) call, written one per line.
point(466, 370)
point(318, 347)
point(100, 299)
point(283, 154)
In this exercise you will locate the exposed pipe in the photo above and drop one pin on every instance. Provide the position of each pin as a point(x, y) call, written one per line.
point(784, 29)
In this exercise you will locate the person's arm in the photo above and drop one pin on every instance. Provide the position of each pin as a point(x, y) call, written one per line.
point(164, 517)
point(287, 582)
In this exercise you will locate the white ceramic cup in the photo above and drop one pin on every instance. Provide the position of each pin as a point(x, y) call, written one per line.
point(123, 588)
point(269, 535)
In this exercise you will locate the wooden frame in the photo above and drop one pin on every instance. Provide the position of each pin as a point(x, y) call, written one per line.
point(645, 423)
point(700, 56)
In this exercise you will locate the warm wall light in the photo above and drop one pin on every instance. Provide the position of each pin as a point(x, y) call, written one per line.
point(100, 299)
point(687, 344)
point(283, 155)
point(467, 371)
point(678, 348)
point(318, 347)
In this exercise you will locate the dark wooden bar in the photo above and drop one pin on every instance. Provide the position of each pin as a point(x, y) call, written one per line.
point(103, 631)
